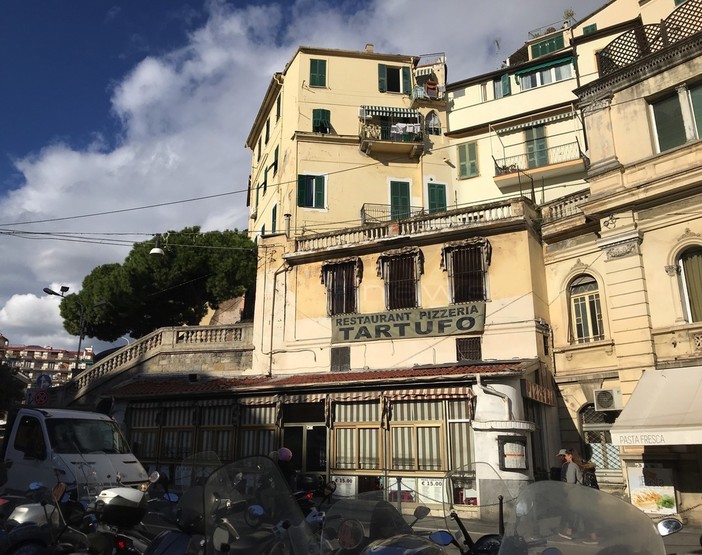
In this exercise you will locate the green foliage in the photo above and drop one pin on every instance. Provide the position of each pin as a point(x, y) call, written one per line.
point(11, 389)
point(146, 292)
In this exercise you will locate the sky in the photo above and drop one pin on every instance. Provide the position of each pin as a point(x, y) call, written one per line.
point(123, 119)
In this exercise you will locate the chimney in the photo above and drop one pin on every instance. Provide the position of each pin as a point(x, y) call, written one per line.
point(369, 48)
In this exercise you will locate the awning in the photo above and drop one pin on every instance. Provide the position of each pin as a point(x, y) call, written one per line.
point(388, 111)
point(551, 63)
point(664, 409)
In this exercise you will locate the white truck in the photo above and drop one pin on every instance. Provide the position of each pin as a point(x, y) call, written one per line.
point(86, 450)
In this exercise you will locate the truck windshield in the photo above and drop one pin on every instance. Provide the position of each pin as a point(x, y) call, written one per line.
point(69, 435)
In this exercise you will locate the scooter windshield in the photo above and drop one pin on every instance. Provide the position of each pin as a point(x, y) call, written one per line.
point(248, 508)
point(596, 523)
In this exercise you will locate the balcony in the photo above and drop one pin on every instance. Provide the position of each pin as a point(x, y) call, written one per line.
point(375, 213)
point(446, 223)
point(644, 40)
point(390, 130)
point(549, 163)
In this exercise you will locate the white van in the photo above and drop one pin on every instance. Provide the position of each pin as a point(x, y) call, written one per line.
point(86, 450)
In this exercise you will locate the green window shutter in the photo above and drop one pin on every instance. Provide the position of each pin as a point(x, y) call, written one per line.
point(463, 160)
point(589, 29)
point(382, 78)
point(670, 127)
point(258, 194)
point(265, 181)
point(301, 189)
point(472, 159)
point(275, 161)
point(437, 197)
point(537, 153)
point(321, 120)
point(277, 108)
point(319, 191)
point(268, 130)
point(318, 73)
point(467, 160)
point(504, 80)
point(274, 217)
point(399, 199)
point(406, 80)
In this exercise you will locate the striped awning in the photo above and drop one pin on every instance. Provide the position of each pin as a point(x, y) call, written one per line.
point(430, 394)
point(534, 122)
point(388, 111)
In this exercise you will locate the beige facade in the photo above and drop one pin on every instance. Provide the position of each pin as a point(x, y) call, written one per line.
point(621, 266)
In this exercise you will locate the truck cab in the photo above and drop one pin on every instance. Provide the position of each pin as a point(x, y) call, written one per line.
point(86, 450)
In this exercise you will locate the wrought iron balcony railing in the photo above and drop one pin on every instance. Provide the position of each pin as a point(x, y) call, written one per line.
point(538, 158)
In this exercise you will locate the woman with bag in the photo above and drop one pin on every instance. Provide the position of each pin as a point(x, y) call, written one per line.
point(574, 475)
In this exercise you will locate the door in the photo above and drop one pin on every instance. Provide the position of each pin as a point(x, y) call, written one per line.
point(308, 443)
point(399, 199)
point(27, 455)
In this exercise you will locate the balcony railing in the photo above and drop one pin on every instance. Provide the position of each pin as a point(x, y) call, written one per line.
point(538, 159)
point(423, 223)
point(396, 132)
point(565, 206)
point(638, 43)
point(373, 213)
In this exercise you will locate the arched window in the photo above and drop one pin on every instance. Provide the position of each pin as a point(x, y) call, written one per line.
point(432, 124)
point(585, 310)
point(598, 441)
point(690, 272)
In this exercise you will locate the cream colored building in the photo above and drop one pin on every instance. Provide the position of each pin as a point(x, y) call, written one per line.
point(622, 264)
point(376, 268)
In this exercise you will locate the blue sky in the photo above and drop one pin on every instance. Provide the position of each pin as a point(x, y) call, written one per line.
point(113, 106)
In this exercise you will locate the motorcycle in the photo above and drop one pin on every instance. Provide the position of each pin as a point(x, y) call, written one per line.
point(245, 506)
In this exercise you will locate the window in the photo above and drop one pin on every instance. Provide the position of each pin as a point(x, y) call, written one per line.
point(437, 197)
point(277, 108)
point(274, 165)
point(265, 182)
point(672, 113)
point(415, 435)
point(678, 2)
point(432, 124)
point(586, 313)
point(258, 430)
point(268, 130)
point(468, 348)
point(459, 433)
point(467, 160)
point(399, 199)
point(466, 263)
point(274, 218)
point(340, 359)
point(547, 46)
point(537, 151)
point(310, 191)
point(589, 29)
point(320, 120)
point(690, 272)
point(394, 79)
point(29, 438)
point(318, 73)
point(342, 280)
point(400, 270)
point(258, 157)
point(545, 75)
point(357, 436)
point(483, 92)
point(598, 440)
point(501, 86)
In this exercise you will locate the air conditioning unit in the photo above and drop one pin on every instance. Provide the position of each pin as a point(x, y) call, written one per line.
point(608, 399)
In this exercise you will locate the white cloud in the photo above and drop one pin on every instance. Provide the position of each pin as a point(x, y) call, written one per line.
point(185, 117)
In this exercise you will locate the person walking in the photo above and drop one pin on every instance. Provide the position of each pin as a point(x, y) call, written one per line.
point(572, 472)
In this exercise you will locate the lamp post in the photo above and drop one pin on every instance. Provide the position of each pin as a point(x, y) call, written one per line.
point(81, 321)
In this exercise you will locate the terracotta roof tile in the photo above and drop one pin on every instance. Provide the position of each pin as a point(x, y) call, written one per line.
point(149, 386)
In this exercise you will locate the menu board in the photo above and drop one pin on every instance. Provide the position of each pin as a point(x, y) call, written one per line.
point(651, 489)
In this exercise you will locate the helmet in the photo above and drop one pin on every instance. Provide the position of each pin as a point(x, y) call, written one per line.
point(284, 454)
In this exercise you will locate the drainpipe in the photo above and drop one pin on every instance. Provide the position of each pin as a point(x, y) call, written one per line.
point(270, 347)
point(287, 225)
point(504, 396)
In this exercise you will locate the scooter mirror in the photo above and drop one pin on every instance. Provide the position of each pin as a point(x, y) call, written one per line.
point(442, 537)
point(669, 526)
point(421, 512)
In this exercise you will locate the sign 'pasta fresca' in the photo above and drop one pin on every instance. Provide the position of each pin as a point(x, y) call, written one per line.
point(409, 323)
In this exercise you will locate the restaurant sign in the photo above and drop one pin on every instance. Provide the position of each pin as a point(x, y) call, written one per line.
point(409, 323)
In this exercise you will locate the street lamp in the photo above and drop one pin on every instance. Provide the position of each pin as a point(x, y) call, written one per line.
point(81, 320)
